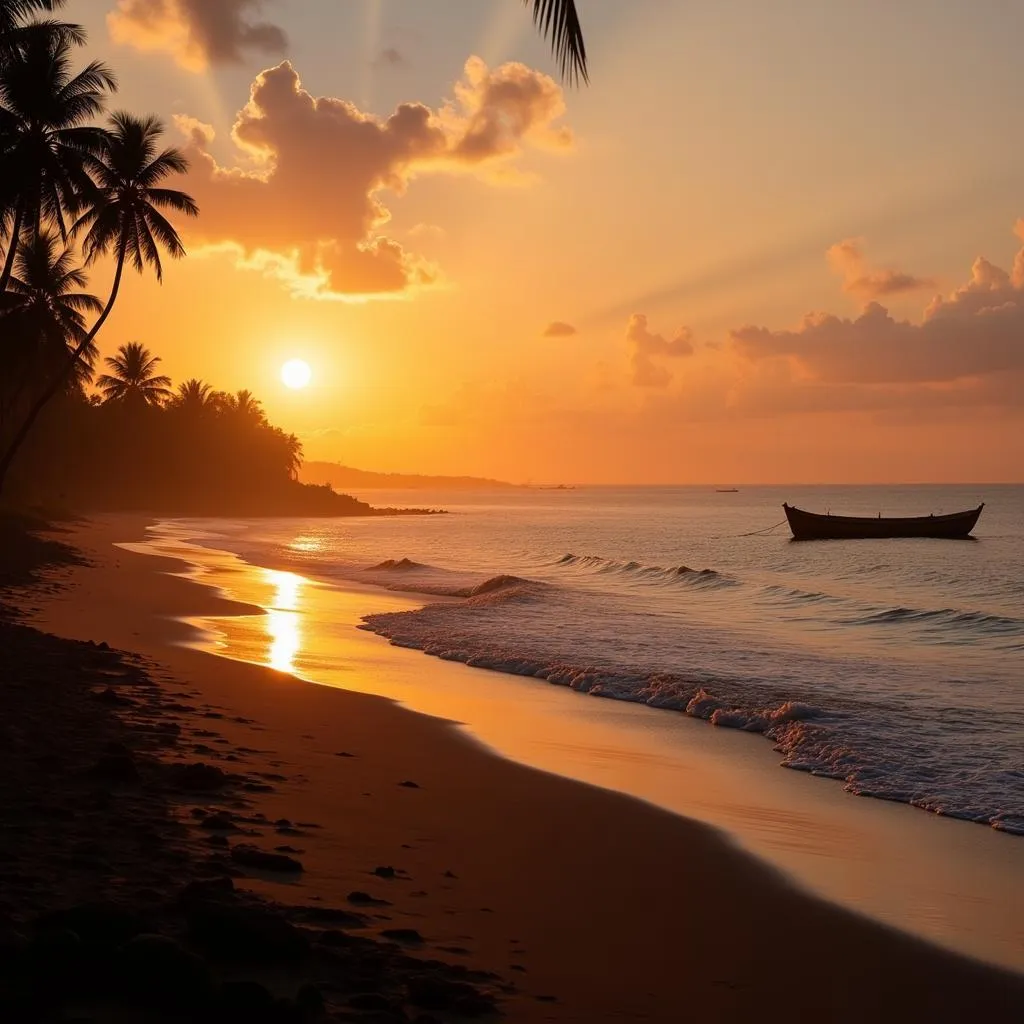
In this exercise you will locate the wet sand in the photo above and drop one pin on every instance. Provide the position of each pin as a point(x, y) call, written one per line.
point(595, 906)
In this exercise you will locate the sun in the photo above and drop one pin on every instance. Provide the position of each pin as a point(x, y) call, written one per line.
point(296, 374)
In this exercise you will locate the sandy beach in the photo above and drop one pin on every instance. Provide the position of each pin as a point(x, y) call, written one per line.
point(586, 904)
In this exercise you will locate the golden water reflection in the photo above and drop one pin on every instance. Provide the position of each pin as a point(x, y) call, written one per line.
point(284, 619)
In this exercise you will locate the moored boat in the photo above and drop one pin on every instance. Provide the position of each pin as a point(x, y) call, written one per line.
point(813, 526)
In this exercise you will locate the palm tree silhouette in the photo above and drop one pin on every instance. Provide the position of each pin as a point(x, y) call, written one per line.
point(44, 135)
point(244, 406)
point(45, 308)
point(124, 218)
point(133, 377)
point(560, 23)
point(194, 395)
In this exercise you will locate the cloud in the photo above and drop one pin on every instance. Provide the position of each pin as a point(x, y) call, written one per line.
point(304, 199)
point(196, 33)
point(646, 346)
point(559, 329)
point(860, 279)
point(977, 330)
point(390, 57)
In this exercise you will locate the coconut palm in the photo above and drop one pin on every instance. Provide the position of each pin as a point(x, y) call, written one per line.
point(133, 377)
point(194, 396)
point(559, 22)
point(45, 312)
point(244, 407)
point(45, 136)
point(14, 13)
point(123, 219)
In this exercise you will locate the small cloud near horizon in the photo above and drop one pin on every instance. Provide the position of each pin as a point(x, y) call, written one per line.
point(647, 346)
point(196, 33)
point(847, 259)
point(974, 332)
point(559, 329)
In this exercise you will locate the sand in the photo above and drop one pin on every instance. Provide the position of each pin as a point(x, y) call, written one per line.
point(594, 906)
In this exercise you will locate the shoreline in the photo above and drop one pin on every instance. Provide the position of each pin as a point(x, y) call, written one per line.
point(940, 878)
point(557, 879)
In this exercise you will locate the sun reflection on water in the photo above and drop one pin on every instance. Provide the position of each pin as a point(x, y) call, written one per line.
point(284, 620)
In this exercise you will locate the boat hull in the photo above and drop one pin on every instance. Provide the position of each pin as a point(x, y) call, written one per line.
point(811, 526)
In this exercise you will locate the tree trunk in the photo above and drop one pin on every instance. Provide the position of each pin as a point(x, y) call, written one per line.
point(12, 249)
point(61, 378)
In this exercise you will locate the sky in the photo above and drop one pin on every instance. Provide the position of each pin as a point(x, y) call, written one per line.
point(766, 244)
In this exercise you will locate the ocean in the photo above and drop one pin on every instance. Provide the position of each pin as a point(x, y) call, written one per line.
point(895, 668)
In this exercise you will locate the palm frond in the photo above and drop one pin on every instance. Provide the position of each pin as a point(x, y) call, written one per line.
point(559, 22)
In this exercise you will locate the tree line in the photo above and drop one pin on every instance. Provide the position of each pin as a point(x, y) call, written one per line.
point(78, 184)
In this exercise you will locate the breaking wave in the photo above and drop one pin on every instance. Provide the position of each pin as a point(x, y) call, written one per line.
point(510, 624)
point(636, 570)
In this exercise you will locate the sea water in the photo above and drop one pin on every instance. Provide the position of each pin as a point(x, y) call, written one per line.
point(895, 667)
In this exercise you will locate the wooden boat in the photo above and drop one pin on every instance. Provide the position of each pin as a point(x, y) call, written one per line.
point(812, 526)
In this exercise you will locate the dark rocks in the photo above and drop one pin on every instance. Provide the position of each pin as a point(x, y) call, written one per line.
point(384, 872)
point(409, 784)
point(198, 777)
point(364, 899)
point(409, 936)
point(116, 768)
point(246, 934)
point(113, 698)
point(219, 822)
point(253, 857)
point(206, 889)
point(429, 992)
point(370, 1001)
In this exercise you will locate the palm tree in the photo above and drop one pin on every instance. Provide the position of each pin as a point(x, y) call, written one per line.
point(45, 139)
point(193, 396)
point(559, 22)
point(133, 377)
point(123, 218)
point(14, 13)
point(243, 406)
point(45, 308)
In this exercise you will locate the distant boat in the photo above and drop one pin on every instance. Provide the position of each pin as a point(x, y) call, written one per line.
point(728, 490)
point(811, 526)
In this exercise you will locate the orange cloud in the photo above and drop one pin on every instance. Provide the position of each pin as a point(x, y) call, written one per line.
point(646, 346)
point(847, 259)
point(976, 331)
point(559, 329)
point(304, 200)
point(196, 33)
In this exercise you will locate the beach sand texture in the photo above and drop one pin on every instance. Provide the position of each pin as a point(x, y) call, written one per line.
point(586, 905)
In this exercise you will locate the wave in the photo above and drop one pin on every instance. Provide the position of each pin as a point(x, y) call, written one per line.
point(864, 746)
point(656, 573)
point(973, 621)
point(391, 564)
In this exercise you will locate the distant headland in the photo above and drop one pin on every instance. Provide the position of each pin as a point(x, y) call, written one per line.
point(334, 474)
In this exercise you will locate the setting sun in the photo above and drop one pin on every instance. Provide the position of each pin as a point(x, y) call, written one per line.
point(296, 374)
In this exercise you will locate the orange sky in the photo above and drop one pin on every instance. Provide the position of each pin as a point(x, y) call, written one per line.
point(750, 251)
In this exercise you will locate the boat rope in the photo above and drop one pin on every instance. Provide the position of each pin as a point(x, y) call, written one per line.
point(753, 533)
